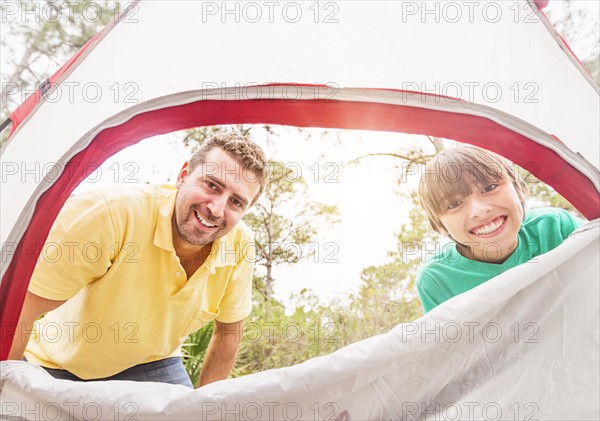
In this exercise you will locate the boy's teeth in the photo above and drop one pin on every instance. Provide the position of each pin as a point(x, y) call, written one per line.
point(203, 222)
point(489, 228)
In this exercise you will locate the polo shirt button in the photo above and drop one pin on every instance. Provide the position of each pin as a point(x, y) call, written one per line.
point(178, 273)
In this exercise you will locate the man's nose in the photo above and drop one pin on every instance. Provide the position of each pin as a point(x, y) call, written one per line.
point(217, 206)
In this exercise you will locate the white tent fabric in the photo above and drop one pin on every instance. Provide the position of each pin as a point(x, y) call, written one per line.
point(524, 345)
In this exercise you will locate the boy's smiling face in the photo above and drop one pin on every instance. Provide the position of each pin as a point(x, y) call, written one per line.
point(485, 223)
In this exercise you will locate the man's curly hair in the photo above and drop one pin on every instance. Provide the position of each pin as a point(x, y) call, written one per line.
point(244, 151)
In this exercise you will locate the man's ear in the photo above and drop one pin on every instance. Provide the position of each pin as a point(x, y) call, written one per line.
point(183, 174)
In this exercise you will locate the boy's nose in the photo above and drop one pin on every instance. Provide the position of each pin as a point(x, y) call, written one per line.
point(479, 209)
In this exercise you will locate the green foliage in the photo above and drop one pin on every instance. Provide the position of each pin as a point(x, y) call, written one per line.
point(273, 339)
point(593, 66)
point(387, 295)
point(194, 350)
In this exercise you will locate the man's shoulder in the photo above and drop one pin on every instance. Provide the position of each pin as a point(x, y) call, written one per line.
point(122, 196)
point(241, 233)
point(137, 191)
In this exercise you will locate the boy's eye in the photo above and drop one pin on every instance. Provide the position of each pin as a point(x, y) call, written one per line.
point(454, 204)
point(489, 188)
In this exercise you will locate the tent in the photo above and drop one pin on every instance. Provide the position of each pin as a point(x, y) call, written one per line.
point(493, 74)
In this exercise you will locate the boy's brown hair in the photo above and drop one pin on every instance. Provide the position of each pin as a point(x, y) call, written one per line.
point(450, 174)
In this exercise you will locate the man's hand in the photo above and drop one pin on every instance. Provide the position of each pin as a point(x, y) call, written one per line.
point(221, 352)
point(33, 307)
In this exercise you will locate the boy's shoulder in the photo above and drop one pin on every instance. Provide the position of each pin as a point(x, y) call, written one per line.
point(446, 253)
point(546, 228)
point(548, 212)
point(446, 262)
point(555, 216)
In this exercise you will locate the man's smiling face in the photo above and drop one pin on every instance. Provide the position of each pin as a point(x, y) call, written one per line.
point(212, 199)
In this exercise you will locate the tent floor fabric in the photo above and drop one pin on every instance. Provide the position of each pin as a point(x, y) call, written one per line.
point(524, 345)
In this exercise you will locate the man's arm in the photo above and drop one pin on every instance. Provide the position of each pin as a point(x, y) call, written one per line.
point(221, 352)
point(33, 307)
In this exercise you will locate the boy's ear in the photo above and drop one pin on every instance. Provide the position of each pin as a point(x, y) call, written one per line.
point(442, 230)
point(522, 190)
point(437, 226)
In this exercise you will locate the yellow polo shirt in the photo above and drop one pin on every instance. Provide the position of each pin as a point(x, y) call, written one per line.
point(110, 254)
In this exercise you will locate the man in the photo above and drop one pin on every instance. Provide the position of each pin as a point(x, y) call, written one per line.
point(127, 274)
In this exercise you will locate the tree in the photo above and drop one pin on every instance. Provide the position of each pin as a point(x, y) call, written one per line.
point(285, 222)
point(580, 29)
point(44, 35)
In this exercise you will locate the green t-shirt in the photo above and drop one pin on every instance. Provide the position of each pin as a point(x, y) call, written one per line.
point(447, 273)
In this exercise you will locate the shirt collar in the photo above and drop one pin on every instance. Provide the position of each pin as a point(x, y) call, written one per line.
point(163, 234)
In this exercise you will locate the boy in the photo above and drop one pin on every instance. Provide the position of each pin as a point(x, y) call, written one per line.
point(476, 198)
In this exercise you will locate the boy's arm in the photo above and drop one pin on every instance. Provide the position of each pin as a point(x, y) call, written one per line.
point(428, 292)
point(562, 223)
point(570, 223)
point(33, 307)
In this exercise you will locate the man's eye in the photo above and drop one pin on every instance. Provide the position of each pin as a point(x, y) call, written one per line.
point(237, 203)
point(212, 185)
point(489, 188)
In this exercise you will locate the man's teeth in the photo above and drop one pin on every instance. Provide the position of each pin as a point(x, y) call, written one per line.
point(203, 221)
point(490, 228)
